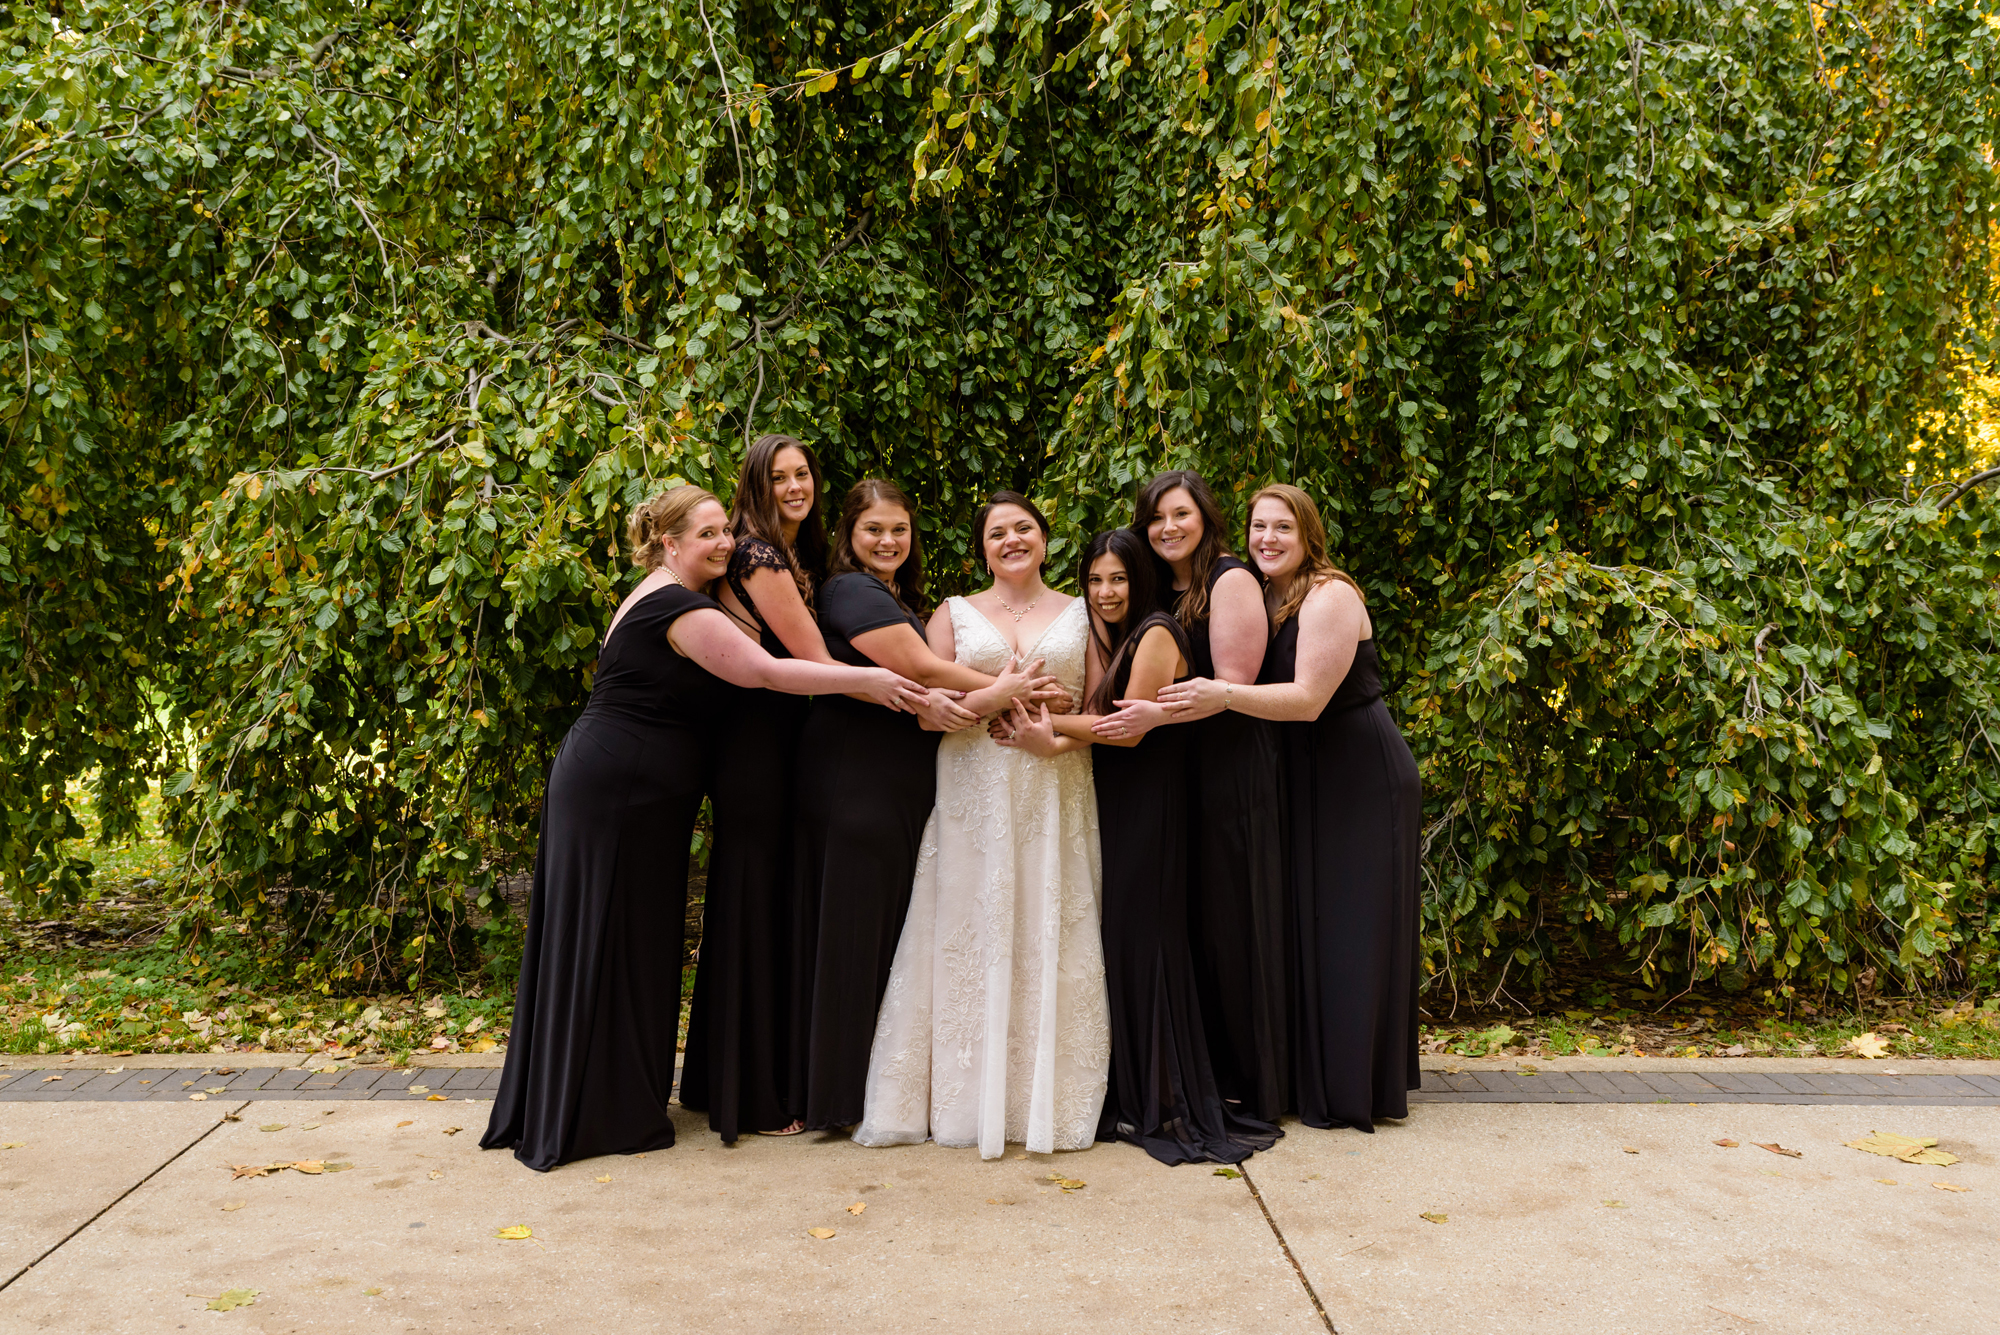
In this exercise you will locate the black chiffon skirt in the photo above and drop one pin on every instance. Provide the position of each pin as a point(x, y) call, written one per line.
point(1356, 806)
point(590, 1064)
point(739, 1017)
point(1239, 909)
point(1162, 1095)
point(867, 780)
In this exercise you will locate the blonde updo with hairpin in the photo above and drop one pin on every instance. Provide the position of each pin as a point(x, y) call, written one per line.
point(658, 518)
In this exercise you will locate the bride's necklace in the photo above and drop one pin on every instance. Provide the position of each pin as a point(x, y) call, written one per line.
point(1024, 611)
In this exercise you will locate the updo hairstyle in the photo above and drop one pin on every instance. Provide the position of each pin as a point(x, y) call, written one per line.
point(660, 517)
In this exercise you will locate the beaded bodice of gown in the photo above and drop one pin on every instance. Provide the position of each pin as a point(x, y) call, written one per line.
point(995, 1026)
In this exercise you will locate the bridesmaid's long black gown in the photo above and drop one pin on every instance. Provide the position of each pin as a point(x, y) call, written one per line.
point(867, 782)
point(590, 1064)
point(1356, 806)
point(1162, 1095)
point(737, 1021)
point(1238, 908)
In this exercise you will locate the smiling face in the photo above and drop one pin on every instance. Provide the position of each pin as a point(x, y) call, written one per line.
point(1109, 589)
point(1275, 544)
point(1175, 531)
point(881, 539)
point(699, 553)
point(792, 488)
point(1013, 543)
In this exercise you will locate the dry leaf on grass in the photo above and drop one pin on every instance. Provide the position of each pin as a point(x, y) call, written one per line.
point(1949, 1186)
point(515, 1232)
point(483, 1045)
point(1869, 1045)
point(1776, 1148)
point(232, 1300)
point(857, 1207)
point(1910, 1149)
point(821, 1233)
point(1227, 1172)
point(1727, 1144)
point(1435, 1218)
point(234, 1205)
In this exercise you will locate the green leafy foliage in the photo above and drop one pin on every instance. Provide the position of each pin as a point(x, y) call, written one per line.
point(1625, 347)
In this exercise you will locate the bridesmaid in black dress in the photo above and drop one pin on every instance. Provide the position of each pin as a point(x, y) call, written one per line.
point(1162, 1095)
point(737, 1041)
point(867, 782)
point(1356, 807)
point(590, 1065)
point(1237, 903)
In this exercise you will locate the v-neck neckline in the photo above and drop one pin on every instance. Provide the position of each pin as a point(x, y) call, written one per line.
point(1000, 635)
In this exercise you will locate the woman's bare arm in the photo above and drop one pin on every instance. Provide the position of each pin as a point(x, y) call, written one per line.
point(707, 637)
point(778, 601)
point(1332, 624)
point(1155, 663)
point(1238, 627)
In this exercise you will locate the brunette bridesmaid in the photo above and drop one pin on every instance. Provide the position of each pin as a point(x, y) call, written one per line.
point(590, 1066)
point(1162, 1097)
point(867, 783)
point(1237, 905)
point(1356, 808)
point(737, 1039)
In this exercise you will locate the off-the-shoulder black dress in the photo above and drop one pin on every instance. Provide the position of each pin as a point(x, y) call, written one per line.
point(867, 782)
point(590, 1065)
point(1162, 1095)
point(1356, 805)
point(738, 1019)
point(1237, 901)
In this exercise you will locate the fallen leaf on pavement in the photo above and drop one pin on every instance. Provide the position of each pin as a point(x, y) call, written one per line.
point(218, 1089)
point(1910, 1149)
point(1776, 1148)
point(1949, 1186)
point(47, 1078)
point(1227, 1172)
point(15, 1145)
point(437, 1098)
point(1869, 1045)
point(1617, 1205)
point(399, 1125)
point(338, 1167)
point(453, 1130)
point(1435, 1218)
point(420, 1089)
point(234, 1205)
point(370, 1293)
point(272, 1126)
point(1021, 1156)
point(821, 1233)
point(436, 1173)
point(243, 1170)
point(605, 1178)
point(1068, 1183)
point(310, 1166)
point(199, 1098)
point(998, 1200)
point(483, 1045)
point(309, 1126)
point(857, 1207)
point(1727, 1144)
point(1886, 1181)
point(1629, 1149)
point(515, 1232)
point(232, 1300)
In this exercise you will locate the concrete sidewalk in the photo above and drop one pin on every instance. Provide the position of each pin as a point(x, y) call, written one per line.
point(129, 1207)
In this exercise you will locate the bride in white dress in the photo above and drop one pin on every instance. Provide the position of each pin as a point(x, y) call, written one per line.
point(996, 1026)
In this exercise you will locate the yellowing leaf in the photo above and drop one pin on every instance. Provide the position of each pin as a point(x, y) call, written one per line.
point(605, 1178)
point(399, 1125)
point(437, 1098)
point(482, 1045)
point(218, 1089)
point(370, 1293)
point(15, 1145)
point(452, 1130)
point(829, 83)
point(436, 1173)
point(1435, 1218)
point(1886, 1181)
point(821, 1233)
point(1227, 1172)
point(1263, 120)
point(420, 1089)
point(756, 114)
point(1776, 1148)
point(234, 1205)
point(310, 1166)
point(1868, 1045)
point(232, 1300)
point(1616, 1205)
point(1949, 1186)
point(272, 1126)
point(1629, 1149)
point(1068, 1183)
point(1910, 1149)
point(1727, 1144)
point(199, 1098)
point(515, 1232)
point(338, 1167)
point(857, 1207)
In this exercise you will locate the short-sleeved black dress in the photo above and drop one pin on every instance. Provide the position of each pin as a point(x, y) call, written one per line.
point(1356, 808)
point(737, 1021)
point(867, 780)
point(1162, 1095)
point(590, 1065)
point(1238, 906)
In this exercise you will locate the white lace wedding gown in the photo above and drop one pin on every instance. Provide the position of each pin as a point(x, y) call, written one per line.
point(996, 1025)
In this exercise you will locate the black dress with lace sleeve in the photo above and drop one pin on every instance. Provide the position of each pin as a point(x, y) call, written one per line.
point(757, 554)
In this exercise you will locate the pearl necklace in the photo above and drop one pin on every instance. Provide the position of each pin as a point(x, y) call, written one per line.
point(1024, 611)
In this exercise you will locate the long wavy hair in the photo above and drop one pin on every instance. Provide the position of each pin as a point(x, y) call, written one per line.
point(1116, 644)
point(1317, 567)
point(754, 512)
point(1213, 546)
point(908, 588)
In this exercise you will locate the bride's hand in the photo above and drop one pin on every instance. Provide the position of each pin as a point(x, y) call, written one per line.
point(1032, 733)
point(1195, 698)
point(1051, 692)
point(1013, 682)
point(1134, 719)
point(942, 710)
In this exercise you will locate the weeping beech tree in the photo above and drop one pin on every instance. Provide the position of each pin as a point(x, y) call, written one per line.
point(1625, 345)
